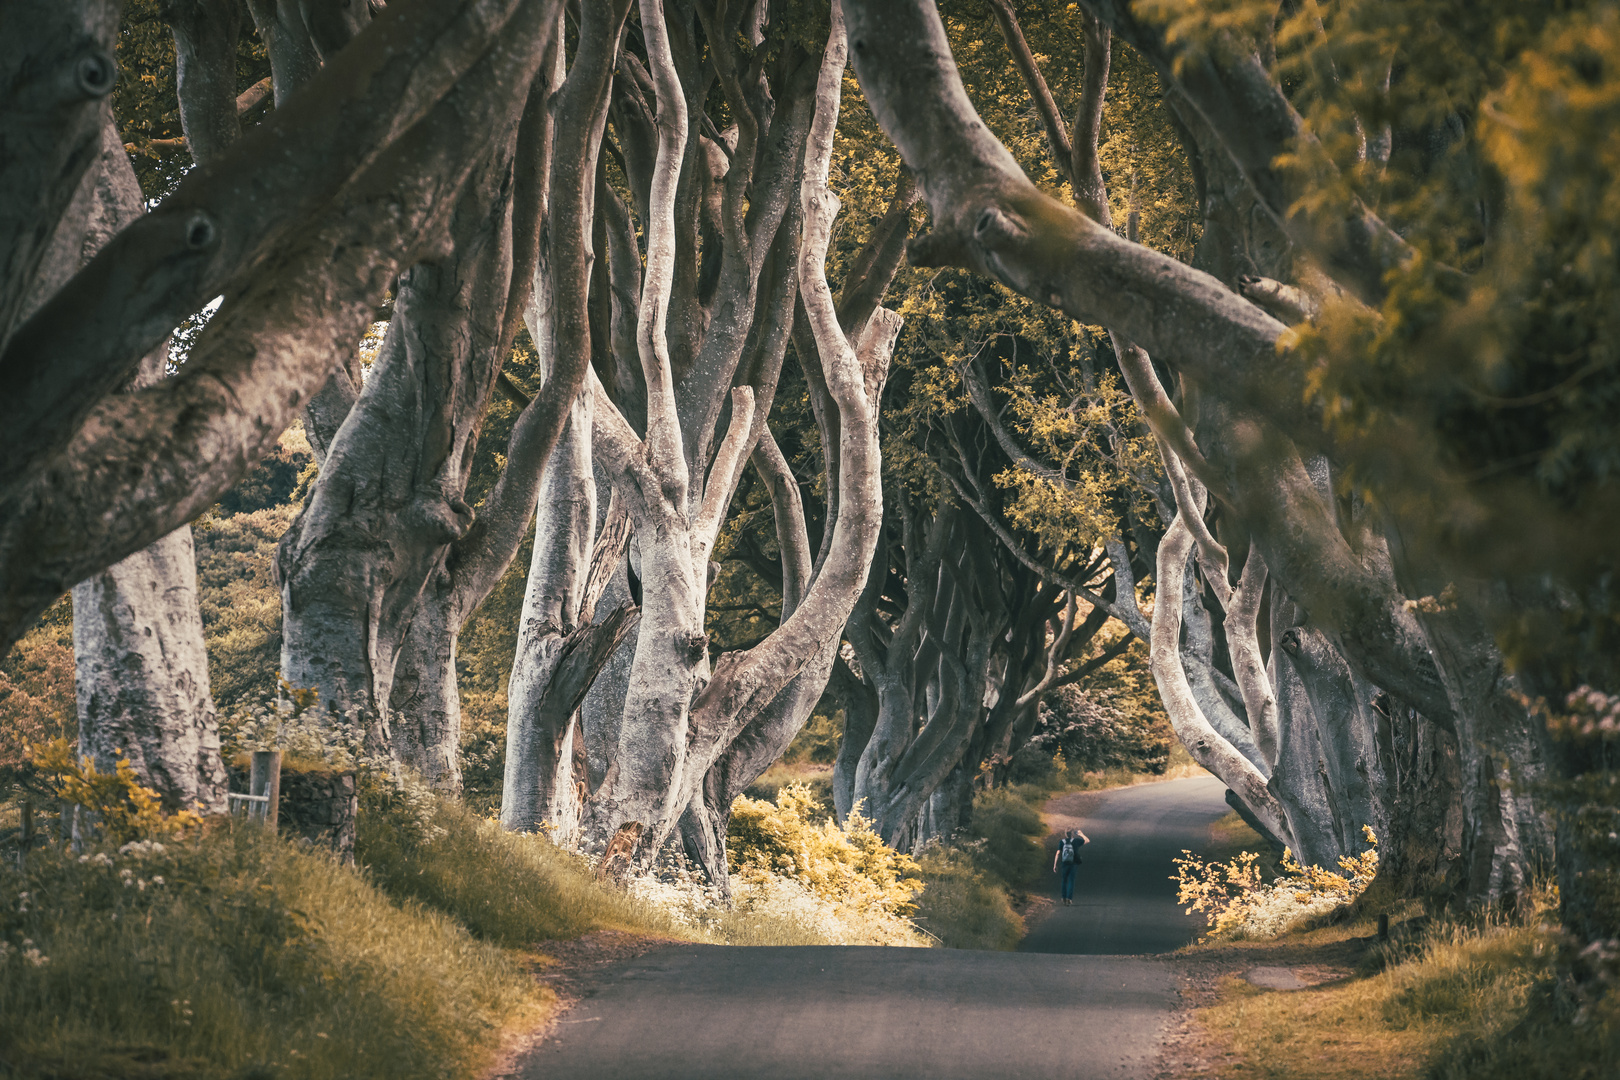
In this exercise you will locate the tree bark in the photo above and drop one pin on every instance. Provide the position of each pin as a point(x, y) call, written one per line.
point(141, 667)
point(678, 720)
point(365, 171)
point(388, 502)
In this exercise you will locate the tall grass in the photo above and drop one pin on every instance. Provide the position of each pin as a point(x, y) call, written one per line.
point(507, 888)
point(238, 955)
point(1481, 997)
point(969, 880)
point(518, 890)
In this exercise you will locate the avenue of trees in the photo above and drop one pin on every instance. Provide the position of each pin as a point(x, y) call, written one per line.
point(671, 372)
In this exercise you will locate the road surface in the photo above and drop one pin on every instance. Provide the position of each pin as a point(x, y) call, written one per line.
point(1124, 901)
point(1056, 1011)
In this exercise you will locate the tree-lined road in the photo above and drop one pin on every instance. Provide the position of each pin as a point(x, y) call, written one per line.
point(1055, 1010)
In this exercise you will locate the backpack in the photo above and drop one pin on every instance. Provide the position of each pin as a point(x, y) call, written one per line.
point(1068, 851)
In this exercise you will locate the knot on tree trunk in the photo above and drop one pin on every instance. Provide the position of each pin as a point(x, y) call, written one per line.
point(1291, 643)
point(621, 849)
point(693, 645)
point(444, 518)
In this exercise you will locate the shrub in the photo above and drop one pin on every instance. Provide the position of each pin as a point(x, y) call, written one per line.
point(1237, 903)
point(119, 805)
point(37, 701)
point(770, 783)
point(962, 906)
point(1006, 832)
point(967, 879)
point(240, 603)
point(1093, 731)
point(849, 865)
point(273, 480)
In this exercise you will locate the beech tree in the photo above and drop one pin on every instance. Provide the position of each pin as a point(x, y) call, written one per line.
point(736, 223)
point(338, 190)
point(1305, 767)
point(1347, 533)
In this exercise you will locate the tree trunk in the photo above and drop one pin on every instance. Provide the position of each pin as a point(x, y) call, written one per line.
point(424, 701)
point(141, 666)
point(388, 503)
point(1504, 756)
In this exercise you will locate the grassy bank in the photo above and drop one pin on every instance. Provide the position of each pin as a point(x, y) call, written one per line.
point(237, 954)
point(1480, 998)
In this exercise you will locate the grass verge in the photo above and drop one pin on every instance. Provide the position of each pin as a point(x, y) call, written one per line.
point(1448, 998)
point(239, 955)
point(235, 954)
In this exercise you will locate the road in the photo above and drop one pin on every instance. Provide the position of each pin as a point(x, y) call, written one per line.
point(1124, 901)
point(1055, 1011)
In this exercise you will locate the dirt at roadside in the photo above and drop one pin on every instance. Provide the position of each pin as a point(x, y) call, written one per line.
point(1191, 1052)
point(566, 968)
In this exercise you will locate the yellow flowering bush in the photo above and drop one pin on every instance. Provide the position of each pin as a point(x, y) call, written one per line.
point(126, 809)
point(1237, 902)
point(849, 865)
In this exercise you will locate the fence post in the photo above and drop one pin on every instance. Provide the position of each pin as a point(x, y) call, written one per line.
point(265, 779)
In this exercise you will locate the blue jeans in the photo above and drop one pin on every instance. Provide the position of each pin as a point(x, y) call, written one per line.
point(1068, 880)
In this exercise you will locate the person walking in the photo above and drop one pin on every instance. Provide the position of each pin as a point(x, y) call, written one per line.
point(1067, 857)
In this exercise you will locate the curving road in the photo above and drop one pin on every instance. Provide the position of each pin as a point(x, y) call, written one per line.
point(1056, 1010)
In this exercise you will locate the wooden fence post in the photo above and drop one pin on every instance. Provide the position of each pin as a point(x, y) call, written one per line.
point(265, 779)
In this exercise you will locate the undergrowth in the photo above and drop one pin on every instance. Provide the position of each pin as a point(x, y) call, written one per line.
point(216, 949)
point(1478, 995)
point(970, 880)
point(1238, 902)
point(231, 953)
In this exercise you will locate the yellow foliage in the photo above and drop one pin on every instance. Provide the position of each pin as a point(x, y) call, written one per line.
point(126, 809)
point(1233, 896)
point(851, 865)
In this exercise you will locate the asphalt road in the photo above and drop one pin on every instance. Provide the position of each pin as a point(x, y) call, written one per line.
point(1124, 900)
point(1054, 1012)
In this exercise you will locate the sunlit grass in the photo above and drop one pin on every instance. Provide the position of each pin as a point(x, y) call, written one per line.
point(1460, 998)
point(239, 955)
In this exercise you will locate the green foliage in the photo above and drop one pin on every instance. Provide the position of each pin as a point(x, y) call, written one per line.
point(237, 955)
point(849, 865)
point(1087, 428)
point(1113, 721)
point(816, 780)
point(963, 906)
point(240, 604)
point(276, 477)
point(817, 742)
point(969, 878)
point(511, 889)
point(1007, 828)
point(144, 100)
